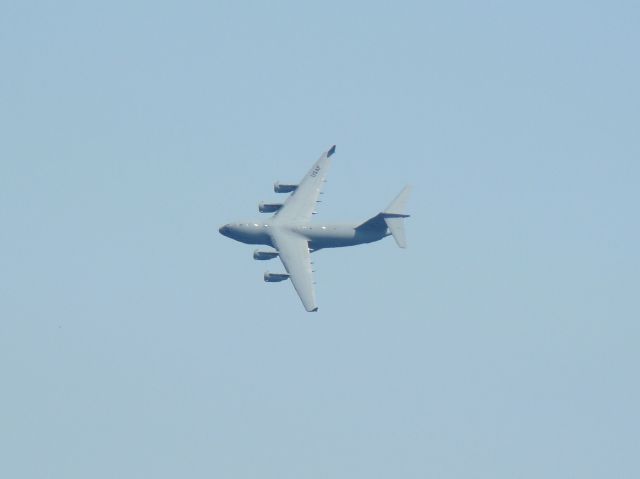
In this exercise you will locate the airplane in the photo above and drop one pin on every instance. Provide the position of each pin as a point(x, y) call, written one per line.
point(292, 235)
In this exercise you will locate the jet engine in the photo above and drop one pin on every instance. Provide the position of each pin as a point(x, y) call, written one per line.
point(282, 188)
point(275, 277)
point(262, 255)
point(269, 207)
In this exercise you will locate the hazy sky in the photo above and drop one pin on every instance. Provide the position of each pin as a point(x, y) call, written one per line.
point(135, 341)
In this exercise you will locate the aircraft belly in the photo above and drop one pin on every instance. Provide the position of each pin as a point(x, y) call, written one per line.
point(331, 238)
point(256, 239)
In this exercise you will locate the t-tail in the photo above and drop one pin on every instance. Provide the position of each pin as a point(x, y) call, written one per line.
point(392, 218)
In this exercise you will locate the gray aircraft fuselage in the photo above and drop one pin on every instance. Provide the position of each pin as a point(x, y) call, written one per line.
point(294, 237)
point(319, 235)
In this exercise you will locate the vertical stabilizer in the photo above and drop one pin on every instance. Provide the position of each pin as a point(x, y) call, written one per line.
point(394, 216)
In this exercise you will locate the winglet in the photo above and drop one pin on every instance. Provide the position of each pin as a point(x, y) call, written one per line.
point(331, 151)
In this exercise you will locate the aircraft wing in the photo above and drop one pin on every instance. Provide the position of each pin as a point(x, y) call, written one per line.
point(302, 202)
point(296, 258)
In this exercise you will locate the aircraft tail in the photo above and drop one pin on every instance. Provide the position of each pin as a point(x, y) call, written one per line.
point(394, 216)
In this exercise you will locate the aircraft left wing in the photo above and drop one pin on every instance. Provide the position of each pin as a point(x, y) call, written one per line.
point(302, 202)
point(296, 258)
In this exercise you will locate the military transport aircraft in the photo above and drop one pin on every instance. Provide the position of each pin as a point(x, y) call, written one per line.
point(294, 237)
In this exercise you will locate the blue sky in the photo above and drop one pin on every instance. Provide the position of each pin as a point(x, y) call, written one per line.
point(135, 341)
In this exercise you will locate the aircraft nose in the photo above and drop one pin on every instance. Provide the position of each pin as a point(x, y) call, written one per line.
point(223, 230)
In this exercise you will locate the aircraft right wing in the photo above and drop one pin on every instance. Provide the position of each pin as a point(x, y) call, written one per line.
point(296, 258)
point(302, 202)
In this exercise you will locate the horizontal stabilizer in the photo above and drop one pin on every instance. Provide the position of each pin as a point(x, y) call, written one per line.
point(396, 226)
point(394, 216)
point(397, 206)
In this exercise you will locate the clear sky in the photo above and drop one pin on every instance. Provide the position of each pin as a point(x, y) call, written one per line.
point(135, 341)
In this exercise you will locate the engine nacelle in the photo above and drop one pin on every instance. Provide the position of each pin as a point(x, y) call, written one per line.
point(275, 277)
point(269, 207)
point(262, 255)
point(282, 188)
